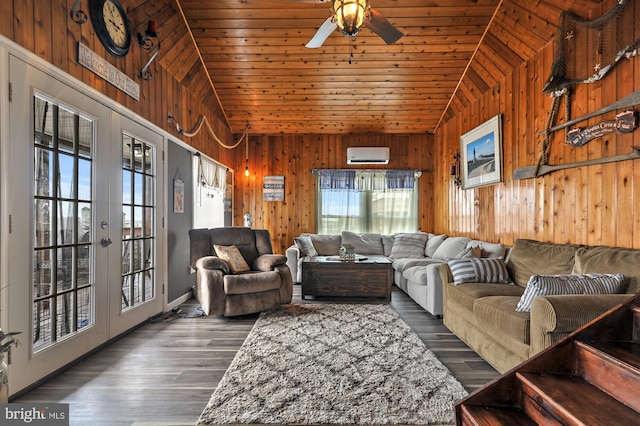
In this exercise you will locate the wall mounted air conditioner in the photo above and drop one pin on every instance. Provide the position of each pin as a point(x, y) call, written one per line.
point(368, 155)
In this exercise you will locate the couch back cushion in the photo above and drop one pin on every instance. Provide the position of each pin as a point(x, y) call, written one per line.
point(433, 243)
point(610, 260)
point(387, 243)
point(490, 250)
point(451, 247)
point(529, 257)
point(409, 245)
point(326, 245)
point(364, 243)
point(305, 245)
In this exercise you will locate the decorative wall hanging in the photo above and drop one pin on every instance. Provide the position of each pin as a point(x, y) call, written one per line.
point(273, 188)
point(625, 122)
point(149, 41)
point(111, 24)
point(481, 151)
point(587, 50)
point(102, 68)
point(543, 169)
point(455, 170)
point(178, 193)
point(78, 15)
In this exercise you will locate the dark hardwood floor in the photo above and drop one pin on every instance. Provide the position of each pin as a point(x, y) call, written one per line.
point(164, 372)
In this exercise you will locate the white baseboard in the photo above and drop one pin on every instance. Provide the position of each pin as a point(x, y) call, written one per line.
point(180, 300)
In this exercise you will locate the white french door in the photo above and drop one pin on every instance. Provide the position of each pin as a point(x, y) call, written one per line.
point(83, 206)
point(136, 225)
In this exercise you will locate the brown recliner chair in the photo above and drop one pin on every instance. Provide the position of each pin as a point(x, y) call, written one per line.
point(267, 284)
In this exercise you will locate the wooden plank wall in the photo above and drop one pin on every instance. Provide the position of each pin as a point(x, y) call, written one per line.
point(45, 28)
point(294, 156)
point(592, 205)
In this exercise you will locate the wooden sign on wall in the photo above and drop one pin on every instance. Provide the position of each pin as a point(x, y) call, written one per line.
point(273, 188)
point(102, 68)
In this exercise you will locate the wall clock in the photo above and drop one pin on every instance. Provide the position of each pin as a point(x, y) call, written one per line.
point(111, 25)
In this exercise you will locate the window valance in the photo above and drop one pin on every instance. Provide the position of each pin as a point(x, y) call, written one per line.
point(366, 180)
point(212, 175)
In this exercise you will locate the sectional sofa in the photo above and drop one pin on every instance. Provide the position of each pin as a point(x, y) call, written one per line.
point(416, 257)
point(506, 321)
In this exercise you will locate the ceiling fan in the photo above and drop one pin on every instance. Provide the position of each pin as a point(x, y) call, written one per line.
point(349, 16)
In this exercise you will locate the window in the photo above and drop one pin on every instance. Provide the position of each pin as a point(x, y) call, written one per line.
point(62, 255)
point(138, 230)
point(211, 198)
point(381, 201)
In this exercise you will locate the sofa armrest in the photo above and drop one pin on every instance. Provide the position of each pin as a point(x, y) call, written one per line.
point(293, 255)
point(268, 262)
point(554, 317)
point(213, 262)
point(445, 273)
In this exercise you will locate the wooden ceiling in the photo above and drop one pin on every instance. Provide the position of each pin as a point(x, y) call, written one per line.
point(452, 51)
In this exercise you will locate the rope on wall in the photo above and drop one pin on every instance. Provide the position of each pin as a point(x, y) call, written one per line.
point(203, 121)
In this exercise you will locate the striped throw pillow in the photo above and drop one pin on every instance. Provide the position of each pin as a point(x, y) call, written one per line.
point(479, 270)
point(409, 246)
point(546, 285)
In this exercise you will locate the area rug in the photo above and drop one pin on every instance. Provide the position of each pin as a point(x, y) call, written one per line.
point(333, 364)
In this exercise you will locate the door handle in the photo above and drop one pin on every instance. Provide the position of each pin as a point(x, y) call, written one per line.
point(105, 242)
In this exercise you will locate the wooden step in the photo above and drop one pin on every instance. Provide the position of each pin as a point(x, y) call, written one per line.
point(612, 366)
point(478, 415)
point(572, 401)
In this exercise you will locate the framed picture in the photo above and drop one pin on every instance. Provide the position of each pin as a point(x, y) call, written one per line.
point(481, 152)
point(273, 188)
point(178, 196)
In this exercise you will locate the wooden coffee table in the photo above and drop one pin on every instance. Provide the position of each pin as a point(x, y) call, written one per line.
point(329, 276)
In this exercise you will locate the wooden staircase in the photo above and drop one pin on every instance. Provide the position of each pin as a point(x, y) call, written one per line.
point(590, 378)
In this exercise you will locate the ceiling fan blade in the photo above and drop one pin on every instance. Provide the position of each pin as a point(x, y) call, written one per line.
point(322, 34)
point(381, 26)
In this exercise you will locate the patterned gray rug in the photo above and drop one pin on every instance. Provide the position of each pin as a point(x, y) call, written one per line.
point(333, 364)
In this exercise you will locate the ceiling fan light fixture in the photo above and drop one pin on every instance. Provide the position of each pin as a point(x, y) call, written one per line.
point(350, 15)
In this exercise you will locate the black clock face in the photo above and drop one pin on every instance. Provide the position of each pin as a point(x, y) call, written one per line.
point(111, 25)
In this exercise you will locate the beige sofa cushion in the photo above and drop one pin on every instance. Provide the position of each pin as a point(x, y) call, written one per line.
point(387, 243)
point(305, 245)
point(433, 243)
point(364, 243)
point(499, 311)
point(609, 260)
point(529, 257)
point(466, 294)
point(326, 245)
point(409, 245)
point(451, 247)
point(491, 250)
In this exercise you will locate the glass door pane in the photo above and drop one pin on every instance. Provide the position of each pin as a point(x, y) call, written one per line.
point(138, 227)
point(63, 285)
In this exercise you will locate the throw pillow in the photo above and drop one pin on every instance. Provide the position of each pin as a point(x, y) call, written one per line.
point(305, 245)
point(470, 252)
point(409, 246)
point(478, 270)
point(433, 243)
point(232, 255)
point(450, 247)
point(546, 285)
